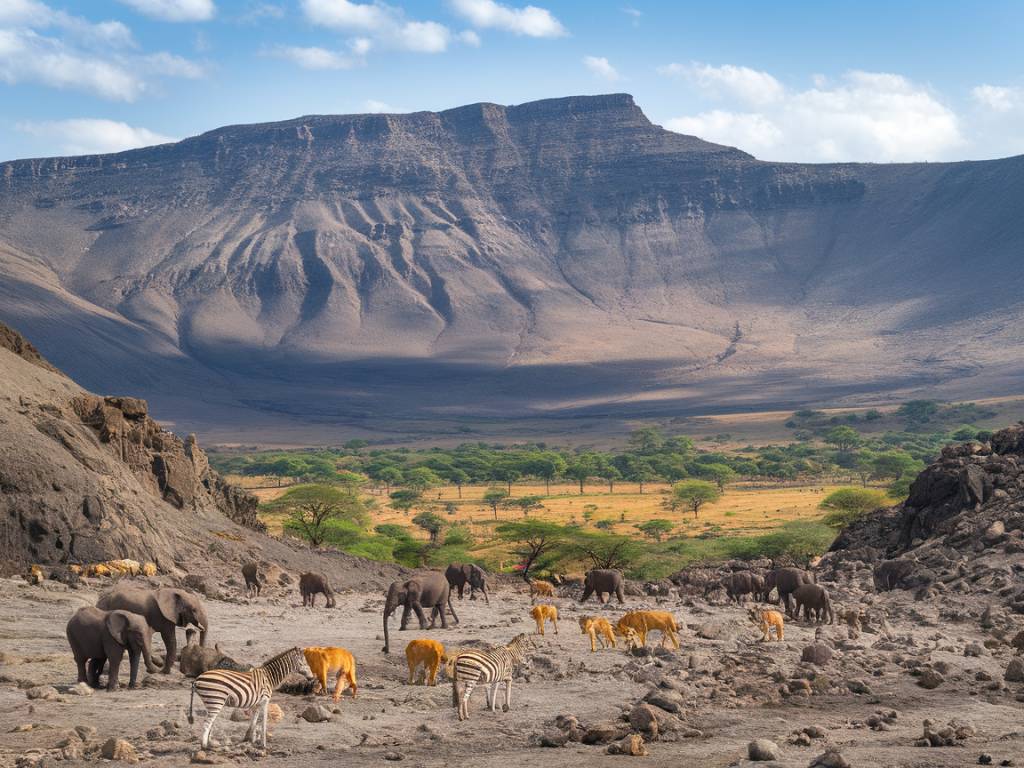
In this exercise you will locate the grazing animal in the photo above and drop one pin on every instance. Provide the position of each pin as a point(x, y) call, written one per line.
point(313, 584)
point(332, 661)
point(429, 590)
point(251, 574)
point(471, 668)
point(815, 602)
point(224, 687)
point(738, 585)
point(603, 581)
point(786, 581)
point(426, 653)
point(597, 628)
point(648, 621)
point(765, 620)
point(541, 588)
point(460, 575)
point(541, 613)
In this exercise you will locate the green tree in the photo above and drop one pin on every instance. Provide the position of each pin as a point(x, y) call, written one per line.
point(646, 440)
point(914, 413)
point(694, 494)
point(429, 522)
point(588, 512)
point(493, 497)
point(607, 471)
point(719, 474)
point(655, 529)
point(534, 542)
point(843, 438)
point(421, 478)
point(604, 525)
point(607, 550)
point(639, 471)
point(546, 465)
point(344, 500)
point(580, 468)
point(527, 504)
point(389, 475)
point(894, 464)
point(846, 505)
point(405, 499)
point(458, 478)
point(311, 520)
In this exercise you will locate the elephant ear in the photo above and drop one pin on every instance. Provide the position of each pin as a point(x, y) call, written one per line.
point(117, 625)
point(467, 570)
point(169, 603)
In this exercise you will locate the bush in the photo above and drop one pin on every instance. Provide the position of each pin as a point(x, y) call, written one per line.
point(850, 504)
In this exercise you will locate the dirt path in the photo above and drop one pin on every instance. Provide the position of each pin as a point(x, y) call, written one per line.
point(727, 684)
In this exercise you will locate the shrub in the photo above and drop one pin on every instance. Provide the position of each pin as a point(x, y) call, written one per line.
point(847, 505)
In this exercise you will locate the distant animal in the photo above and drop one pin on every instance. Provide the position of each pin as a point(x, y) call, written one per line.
point(473, 667)
point(35, 575)
point(542, 613)
point(313, 584)
point(540, 588)
point(428, 654)
point(165, 609)
point(644, 622)
point(225, 687)
point(97, 636)
point(894, 574)
point(251, 574)
point(785, 581)
point(598, 629)
point(429, 590)
point(324, 662)
point(815, 603)
point(739, 585)
point(766, 619)
point(603, 581)
point(459, 575)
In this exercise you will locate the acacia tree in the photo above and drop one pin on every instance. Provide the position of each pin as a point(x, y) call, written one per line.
point(493, 497)
point(405, 499)
point(527, 504)
point(534, 541)
point(431, 523)
point(580, 469)
point(607, 550)
point(311, 520)
point(844, 438)
point(695, 494)
point(458, 478)
point(655, 529)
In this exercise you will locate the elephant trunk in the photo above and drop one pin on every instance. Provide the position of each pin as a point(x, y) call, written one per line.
point(151, 668)
point(389, 607)
point(203, 625)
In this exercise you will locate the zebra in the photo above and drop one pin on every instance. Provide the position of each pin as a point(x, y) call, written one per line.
point(494, 666)
point(226, 687)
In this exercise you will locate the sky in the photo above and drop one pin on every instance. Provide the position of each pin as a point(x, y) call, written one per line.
point(801, 81)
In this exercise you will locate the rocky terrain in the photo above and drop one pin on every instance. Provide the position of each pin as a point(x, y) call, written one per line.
point(552, 260)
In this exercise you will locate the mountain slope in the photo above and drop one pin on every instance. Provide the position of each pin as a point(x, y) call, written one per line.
point(552, 258)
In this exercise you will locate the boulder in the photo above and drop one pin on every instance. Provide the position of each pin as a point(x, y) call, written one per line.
point(1014, 671)
point(818, 654)
point(316, 713)
point(118, 750)
point(763, 750)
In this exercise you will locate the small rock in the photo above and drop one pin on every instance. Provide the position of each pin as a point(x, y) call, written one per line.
point(602, 733)
point(552, 739)
point(80, 689)
point(984, 759)
point(644, 719)
point(818, 654)
point(800, 739)
point(831, 759)
point(316, 713)
point(995, 532)
point(973, 650)
point(85, 732)
point(274, 713)
point(201, 757)
point(43, 692)
point(1014, 671)
point(118, 749)
point(930, 679)
point(858, 686)
point(632, 745)
point(394, 756)
point(763, 750)
point(239, 715)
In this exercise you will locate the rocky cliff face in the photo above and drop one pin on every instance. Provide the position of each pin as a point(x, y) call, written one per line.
point(85, 478)
point(541, 259)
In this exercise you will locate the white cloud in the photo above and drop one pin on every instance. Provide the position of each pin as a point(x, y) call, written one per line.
point(600, 66)
point(174, 10)
point(998, 98)
point(168, 64)
point(749, 85)
point(866, 116)
point(31, 14)
point(528, 20)
point(384, 23)
point(470, 38)
point(361, 46)
point(87, 136)
point(313, 57)
point(379, 107)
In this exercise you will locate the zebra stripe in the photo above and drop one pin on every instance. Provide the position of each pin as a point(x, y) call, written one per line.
point(219, 688)
point(492, 667)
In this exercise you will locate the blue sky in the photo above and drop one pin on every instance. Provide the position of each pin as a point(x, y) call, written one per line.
point(809, 81)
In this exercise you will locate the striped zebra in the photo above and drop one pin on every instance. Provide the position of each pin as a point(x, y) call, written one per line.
point(491, 667)
point(226, 687)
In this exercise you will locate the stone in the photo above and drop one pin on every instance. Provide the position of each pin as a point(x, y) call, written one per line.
point(858, 686)
point(80, 689)
point(973, 650)
point(644, 719)
point(43, 693)
point(763, 750)
point(239, 715)
point(1014, 671)
point(316, 713)
point(818, 654)
point(602, 733)
point(930, 679)
point(552, 739)
point(995, 532)
point(632, 745)
point(394, 756)
point(85, 732)
point(666, 700)
point(830, 759)
point(118, 750)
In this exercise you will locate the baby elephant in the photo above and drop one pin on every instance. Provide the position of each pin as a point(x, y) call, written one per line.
point(313, 584)
point(815, 603)
point(97, 636)
point(251, 574)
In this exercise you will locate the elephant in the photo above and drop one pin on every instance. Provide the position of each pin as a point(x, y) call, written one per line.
point(428, 590)
point(815, 602)
point(251, 574)
point(97, 636)
point(460, 575)
point(785, 581)
point(165, 609)
point(894, 574)
point(603, 581)
point(312, 584)
point(736, 585)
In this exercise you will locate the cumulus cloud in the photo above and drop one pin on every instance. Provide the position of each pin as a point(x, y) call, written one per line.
point(866, 116)
point(385, 24)
point(998, 98)
point(32, 14)
point(168, 64)
point(748, 85)
point(470, 38)
point(174, 10)
point(88, 136)
point(600, 66)
point(313, 57)
point(529, 20)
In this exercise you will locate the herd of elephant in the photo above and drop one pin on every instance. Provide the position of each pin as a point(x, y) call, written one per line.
point(125, 618)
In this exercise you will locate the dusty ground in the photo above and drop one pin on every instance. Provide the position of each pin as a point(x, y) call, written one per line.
point(728, 687)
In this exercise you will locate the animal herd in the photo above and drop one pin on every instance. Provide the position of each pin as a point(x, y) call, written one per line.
point(125, 618)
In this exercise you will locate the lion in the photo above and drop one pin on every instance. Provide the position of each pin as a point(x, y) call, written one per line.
point(542, 612)
point(332, 661)
point(597, 628)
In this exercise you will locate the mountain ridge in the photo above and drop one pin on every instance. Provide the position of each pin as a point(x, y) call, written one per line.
point(346, 258)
